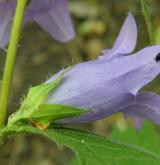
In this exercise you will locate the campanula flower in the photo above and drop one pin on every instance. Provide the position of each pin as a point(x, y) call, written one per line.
point(52, 15)
point(111, 83)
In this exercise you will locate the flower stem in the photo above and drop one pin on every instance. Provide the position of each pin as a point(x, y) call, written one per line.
point(148, 21)
point(10, 59)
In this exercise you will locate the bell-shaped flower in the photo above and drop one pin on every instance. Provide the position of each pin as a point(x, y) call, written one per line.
point(111, 83)
point(52, 15)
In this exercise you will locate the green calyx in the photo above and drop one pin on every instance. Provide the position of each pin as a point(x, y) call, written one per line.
point(34, 110)
point(48, 113)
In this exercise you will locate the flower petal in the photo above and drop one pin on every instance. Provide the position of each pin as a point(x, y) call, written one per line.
point(103, 86)
point(57, 21)
point(6, 14)
point(147, 105)
point(88, 86)
point(138, 122)
point(126, 40)
point(39, 6)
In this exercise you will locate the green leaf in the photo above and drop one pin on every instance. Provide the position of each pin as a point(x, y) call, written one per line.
point(75, 162)
point(35, 97)
point(90, 149)
point(147, 138)
point(48, 113)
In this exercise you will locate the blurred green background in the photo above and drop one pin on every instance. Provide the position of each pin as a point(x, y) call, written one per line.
point(97, 22)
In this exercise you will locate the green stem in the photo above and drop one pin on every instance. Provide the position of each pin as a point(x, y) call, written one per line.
point(10, 59)
point(148, 21)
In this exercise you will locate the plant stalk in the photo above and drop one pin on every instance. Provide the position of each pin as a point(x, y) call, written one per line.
point(10, 59)
point(148, 21)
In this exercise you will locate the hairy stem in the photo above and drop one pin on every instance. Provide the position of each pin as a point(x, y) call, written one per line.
point(10, 59)
point(148, 21)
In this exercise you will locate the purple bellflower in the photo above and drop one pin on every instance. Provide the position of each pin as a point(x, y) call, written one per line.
point(52, 15)
point(111, 83)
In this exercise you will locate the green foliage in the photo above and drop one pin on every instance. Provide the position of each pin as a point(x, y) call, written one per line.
point(47, 113)
point(34, 99)
point(90, 149)
point(147, 138)
point(34, 110)
point(157, 35)
point(148, 21)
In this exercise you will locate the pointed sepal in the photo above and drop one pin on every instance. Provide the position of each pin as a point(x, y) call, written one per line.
point(48, 113)
point(36, 96)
